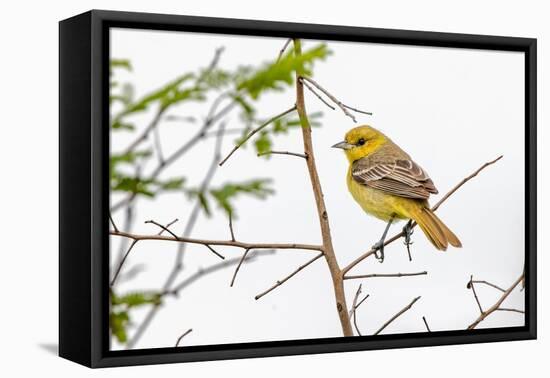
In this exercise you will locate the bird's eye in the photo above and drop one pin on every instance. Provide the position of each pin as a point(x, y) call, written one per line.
point(361, 142)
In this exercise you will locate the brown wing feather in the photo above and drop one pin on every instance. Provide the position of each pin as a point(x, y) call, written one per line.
point(402, 178)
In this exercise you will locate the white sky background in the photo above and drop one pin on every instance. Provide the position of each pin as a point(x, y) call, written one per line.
point(450, 109)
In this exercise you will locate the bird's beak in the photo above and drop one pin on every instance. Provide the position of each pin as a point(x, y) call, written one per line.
point(343, 145)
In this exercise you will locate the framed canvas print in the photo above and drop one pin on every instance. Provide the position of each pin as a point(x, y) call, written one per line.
point(235, 188)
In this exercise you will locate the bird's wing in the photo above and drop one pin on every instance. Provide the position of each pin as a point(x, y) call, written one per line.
point(403, 178)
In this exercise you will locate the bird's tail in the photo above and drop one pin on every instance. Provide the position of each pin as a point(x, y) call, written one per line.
point(435, 229)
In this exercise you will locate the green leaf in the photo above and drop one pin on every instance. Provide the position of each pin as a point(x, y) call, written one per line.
point(120, 63)
point(224, 196)
point(263, 143)
point(133, 185)
point(204, 203)
point(248, 109)
point(136, 299)
point(214, 79)
point(127, 158)
point(168, 94)
point(278, 74)
point(118, 322)
point(119, 125)
point(172, 184)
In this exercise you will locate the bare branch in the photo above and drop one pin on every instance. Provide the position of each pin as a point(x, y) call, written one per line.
point(426, 324)
point(496, 306)
point(145, 134)
point(282, 153)
point(231, 226)
point(238, 267)
point(312, 90)
point(113, 222)
point(228, 243)
point(215, 252)
point(434, 208)
point(282, 281)
point(472, 287)
point(405, 309)
point(510, 309)
point(117, 271)
point(163, 228)
point(262, 126)
point(183, 335)
point(464, 181)
point(489, 284)
point(167, 226)
point(282, 51)
point(215, 60)
point(158, 146)
point(322, 214)
point(214, 268)
point(341, 105)
point(355, 306)
point(376, 275)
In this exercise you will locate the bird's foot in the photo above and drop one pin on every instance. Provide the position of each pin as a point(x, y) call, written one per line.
point(378, 248)
point(408, 231)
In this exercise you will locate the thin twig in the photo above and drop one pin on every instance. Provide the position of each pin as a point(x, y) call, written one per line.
point(372, 251)
point(128, 224)
point(355, 299)
point(496, 306)
point(201, 272)
point(341, 105)
point(355, 306)
point(489, 284)
point(158, 146)
point(167, 226)
point(263, 125)
point(122, 262)
point(282, 153)
point(182, 336)
point(282, 281)
point(472, 287)
point(145, 134)
point(231, 226)
point(464, 181)
point(113, 222)
point(377, 275)
point(282, 51)
point(238, 267)
point(510, 309)
point(215, 252)
point(403, 310)
point(163, 228)
point(312, 90)
point(215, 60)
point(426, 324)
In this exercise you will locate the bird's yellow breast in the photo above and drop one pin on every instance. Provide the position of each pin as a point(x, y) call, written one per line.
point(377, 203)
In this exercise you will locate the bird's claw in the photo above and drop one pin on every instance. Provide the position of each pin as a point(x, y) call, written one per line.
point(408, 231)
point(378, 248)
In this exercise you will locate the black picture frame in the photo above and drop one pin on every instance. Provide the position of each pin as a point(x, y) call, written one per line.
point(83, 181)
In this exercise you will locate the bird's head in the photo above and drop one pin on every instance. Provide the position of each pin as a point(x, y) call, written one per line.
point(361, 141)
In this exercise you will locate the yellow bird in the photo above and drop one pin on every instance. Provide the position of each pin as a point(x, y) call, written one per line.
point(388, 184)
